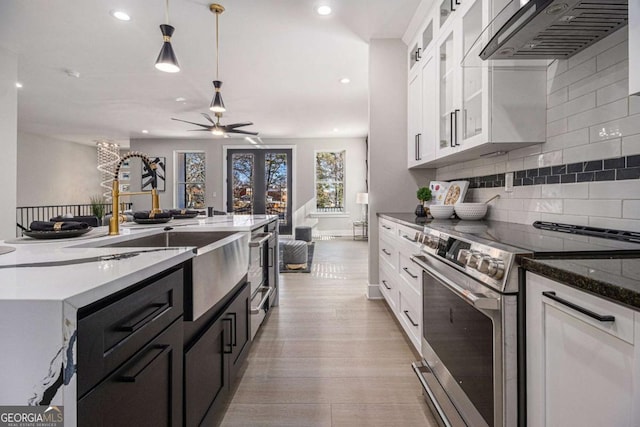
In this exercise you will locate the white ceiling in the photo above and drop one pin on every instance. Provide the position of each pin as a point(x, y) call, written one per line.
point(280, 63)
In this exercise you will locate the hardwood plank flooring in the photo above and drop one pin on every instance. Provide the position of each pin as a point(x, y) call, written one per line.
point(328, 356)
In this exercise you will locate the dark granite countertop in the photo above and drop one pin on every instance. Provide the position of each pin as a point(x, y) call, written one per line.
point(616, 279)
point(404, 218)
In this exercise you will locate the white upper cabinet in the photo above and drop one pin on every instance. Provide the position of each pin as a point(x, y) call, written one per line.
point(634, 47)
point(481, 107)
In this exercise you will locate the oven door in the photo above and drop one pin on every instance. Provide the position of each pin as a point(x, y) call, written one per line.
point(462, 371)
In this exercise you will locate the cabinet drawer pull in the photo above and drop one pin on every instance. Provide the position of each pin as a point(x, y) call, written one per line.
point(386, 227)
point(406, 313)
point(408, 238)
point(418, 153)
point(451, 143)
point(234, 330)
point(384, 282)
point(157, 309)
point(145, 360)
point(455, 126)
point(230, 343)
point(386, 251)
point(594, 315)
point(406, 270)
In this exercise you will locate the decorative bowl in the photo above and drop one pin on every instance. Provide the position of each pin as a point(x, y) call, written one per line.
point(441, 211)
point(471, 211)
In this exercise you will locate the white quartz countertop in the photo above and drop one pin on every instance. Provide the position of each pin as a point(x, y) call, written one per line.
point(89, 279)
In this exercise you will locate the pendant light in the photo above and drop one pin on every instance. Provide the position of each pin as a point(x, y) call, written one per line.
point(217, 105)
point(167, 60)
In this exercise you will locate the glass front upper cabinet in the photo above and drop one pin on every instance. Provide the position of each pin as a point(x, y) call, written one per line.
point(472, 75)
point(447, 79)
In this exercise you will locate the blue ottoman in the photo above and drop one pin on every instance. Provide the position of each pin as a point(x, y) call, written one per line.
point(294, 254)
point(303, 232)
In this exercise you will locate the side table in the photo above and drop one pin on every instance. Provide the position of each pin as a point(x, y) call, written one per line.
point(360, 230)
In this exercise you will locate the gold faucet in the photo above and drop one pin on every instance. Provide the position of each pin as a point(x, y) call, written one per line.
point(114, 222)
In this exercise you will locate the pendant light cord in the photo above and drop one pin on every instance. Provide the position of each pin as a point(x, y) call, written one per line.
point(217, 47)
point(166, 12)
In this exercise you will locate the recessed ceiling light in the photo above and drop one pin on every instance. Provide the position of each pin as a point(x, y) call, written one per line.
point(345, 80)
point(120, 15)
point(145, 131)
point(18, 85)
point(323, 10)
point(336, 129)
point(180, 99)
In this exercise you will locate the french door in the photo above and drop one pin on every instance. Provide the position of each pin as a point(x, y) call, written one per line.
point(259, 182)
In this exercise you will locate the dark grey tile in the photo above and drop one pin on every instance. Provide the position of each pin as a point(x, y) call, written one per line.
point(527, 181)
point(544, 171)
point(586, 176)
point(531, 173)
point(497, 184)
point(521, 174)
point(517, 182)
point(559, 170)
point(617, 163)
point(595, 165)
point(482, 185)
point(570, 177)
point(575, 167)
point(608, 175)
point(500, 177)
point(553, 179)
point(539, 180)
point(628, 173)
point(633, 161)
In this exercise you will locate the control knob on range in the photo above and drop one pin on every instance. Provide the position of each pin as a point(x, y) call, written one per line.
point(474, 259)
point(496, 269)
point(483, 264)
point(463, 256)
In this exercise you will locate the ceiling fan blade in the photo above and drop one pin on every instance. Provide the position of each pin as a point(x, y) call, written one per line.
point(199, 130)
point(192, 123)
point(237, 125)
point(244, 132)
point(208, 117)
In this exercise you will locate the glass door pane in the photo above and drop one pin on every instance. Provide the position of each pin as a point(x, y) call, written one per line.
point(242, 183)
point(276, 188)
point(472, 75)
point(446, 8)
point(447, 78)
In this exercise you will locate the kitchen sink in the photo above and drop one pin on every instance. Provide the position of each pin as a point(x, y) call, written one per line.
point(221, 262)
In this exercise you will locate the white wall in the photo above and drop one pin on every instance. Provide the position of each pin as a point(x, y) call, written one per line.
point(304, 184)
point(8, 144)
point(589, 117)
point(392, 187)
point(55, 172)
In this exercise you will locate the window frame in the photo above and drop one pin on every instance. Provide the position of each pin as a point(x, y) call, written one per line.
point(343, 211)
point(176, 176)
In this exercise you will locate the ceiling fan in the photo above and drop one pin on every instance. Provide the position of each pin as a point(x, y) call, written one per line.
point(218, 129)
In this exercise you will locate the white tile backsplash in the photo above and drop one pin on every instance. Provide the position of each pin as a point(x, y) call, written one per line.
point(589, 117)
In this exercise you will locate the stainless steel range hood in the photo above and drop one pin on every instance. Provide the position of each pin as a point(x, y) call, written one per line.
point(551, 29)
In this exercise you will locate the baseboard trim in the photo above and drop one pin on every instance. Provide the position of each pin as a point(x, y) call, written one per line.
point(373, 291)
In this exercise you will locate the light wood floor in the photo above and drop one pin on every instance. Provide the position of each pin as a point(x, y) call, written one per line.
point(328, 356)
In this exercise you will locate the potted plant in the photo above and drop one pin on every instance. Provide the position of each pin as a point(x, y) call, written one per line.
point(424, 195)
point(97, 206)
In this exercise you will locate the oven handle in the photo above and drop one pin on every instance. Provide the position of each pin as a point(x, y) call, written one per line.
point(263, 301)
point(419, 368)
point(260, 242)
point(478, 301)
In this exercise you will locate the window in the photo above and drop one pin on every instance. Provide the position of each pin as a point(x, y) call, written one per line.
point(330, 181)
point(190, 180)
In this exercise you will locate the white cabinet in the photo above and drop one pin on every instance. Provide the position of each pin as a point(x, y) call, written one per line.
point(421, 104)
point(481, 107)
point(580, 371)
point(634, 47)
point(400, 278)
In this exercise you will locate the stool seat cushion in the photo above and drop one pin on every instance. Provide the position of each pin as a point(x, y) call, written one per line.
point(294, 252)
point(303, 232)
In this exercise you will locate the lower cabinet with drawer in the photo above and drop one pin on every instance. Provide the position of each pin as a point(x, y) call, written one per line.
point(216, 347)
point(130, 359)
point(583, 358)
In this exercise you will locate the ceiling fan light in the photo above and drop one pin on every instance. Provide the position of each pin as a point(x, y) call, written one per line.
point(217, 105)
point(167, 60)
point(217, 131)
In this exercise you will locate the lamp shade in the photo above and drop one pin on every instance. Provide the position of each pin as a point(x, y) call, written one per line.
point(167, 60)
point(362, 198)
point(217, 105)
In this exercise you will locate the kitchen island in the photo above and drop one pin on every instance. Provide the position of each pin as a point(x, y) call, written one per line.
point(45, 284)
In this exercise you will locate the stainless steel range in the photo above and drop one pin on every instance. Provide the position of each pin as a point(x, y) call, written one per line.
point(471, 316)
